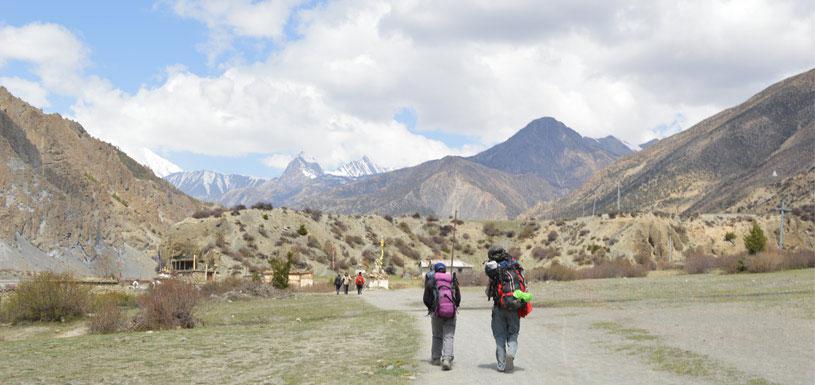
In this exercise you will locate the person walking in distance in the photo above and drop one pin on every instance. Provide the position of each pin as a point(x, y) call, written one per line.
point(442, 298)
point(346, 281)
point(338, 283)
point(511, 302)
point(360, 283)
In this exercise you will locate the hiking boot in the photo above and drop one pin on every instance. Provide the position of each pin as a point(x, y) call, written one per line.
point(436, 362)
point(446, 364)
point(510, 365)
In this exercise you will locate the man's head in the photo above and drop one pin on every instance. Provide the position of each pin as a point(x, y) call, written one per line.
point(496, 253)
point(439, 267)
point(360, 273)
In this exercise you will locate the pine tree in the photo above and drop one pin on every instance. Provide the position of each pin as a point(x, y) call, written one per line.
point(755, 240)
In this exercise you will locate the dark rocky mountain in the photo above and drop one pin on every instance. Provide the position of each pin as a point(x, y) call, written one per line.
point(543, 161)
point(74, 203)
point(719, 162)
point(551, 150)
point(208, 185)
point(614, 146)
point(649, 143)
point(436, 187)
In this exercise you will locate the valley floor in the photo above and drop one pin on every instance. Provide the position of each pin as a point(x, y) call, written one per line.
point(676, 329)
point(682, 329)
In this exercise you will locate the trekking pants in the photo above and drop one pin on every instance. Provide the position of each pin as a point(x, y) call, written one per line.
point(359, 289)
point(505, 327)
point(444, 329)
point(338, 289)
point(345, 287)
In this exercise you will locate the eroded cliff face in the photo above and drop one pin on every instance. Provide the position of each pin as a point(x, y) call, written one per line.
point(71, 202)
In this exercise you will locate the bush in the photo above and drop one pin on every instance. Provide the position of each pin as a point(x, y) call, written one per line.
point(167, 305)
point(697, 262)
point(388, 218)
point(353, 240)
point(730, 236)
point(617, 268)
point(491, 230)
point(552, 236)
point(108, 318)
point(47, 297)
point(732, 264)
point(416, 215)
point(405, 227)
point(262, 206)
point(432, 218)
point(555, 272)
point(302, 230)
point(755, 240)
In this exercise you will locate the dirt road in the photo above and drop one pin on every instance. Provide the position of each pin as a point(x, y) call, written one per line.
point(636, 342)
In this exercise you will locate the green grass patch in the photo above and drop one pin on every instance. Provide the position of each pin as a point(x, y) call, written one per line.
point(640, 343)
point(119, 199)
point(305, 339)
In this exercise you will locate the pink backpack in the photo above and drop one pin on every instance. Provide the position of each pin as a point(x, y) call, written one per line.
point(445, 307)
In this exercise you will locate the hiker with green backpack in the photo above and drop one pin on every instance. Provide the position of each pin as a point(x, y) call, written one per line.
point(511, 302)
point(442, 297)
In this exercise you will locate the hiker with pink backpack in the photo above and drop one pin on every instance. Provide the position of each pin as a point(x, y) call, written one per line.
point(442, 298)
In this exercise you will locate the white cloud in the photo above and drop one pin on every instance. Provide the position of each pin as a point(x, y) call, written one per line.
point(229, 18)
point(279, 161)
point(483, 69)
point(55, 54)
point(32, 92)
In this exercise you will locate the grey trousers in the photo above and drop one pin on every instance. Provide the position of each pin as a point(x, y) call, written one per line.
point(443, 332)
point(505, 327)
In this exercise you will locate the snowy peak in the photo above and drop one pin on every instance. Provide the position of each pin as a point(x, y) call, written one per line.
point(160, 166)
point(301, 167)
point(209, 185)
point(616, 146)
point(358, 168)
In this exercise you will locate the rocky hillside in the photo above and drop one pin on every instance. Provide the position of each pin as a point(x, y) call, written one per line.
point(716, 164)
point(551, 150)
point(240, 241)
point(71, 202)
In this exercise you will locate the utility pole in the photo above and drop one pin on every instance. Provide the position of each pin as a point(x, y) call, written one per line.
point(781, 209)
point(594, 206)
point(453, 247)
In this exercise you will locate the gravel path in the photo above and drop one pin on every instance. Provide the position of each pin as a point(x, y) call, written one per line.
point(556, 346)
point(566, 346)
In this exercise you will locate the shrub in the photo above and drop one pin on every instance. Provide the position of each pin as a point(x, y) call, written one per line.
point(302, 230)
point(248, 238)
point(265, 217)
point(167, 305)
point(755, 240)
point(617, 268)
point(390, 269)
point(416, 215)
point(732, 264)
point(404, 227)
point(388, 218)
point(314, 214)
point(398, 261)
point(432, 218)
point(353, 240)
point(542, 254)
point(313, 243)
point(47, 297)
point(764, 263)
point(555, 272)
point(697, 262)
point(730, 236)
point(263, 206)
point(552, 236)
point(108, 318)
point(491, 230)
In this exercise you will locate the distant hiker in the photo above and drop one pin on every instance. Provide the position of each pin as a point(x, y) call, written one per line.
point(346, 281)
point(511, 302)
point(442, 297)
point(338, 283)
point(360, 282)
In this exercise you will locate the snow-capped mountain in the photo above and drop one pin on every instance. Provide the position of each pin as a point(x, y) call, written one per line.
point(302, 166)
point(358, 168)
point(209, 185)
point(160, 166)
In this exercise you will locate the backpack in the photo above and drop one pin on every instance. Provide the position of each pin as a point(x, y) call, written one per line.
point(338, 281)
point(509, 278)
point(360, 281)
point(443, 293)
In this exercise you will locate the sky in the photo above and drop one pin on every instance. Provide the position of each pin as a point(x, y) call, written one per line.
point(242, 86)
